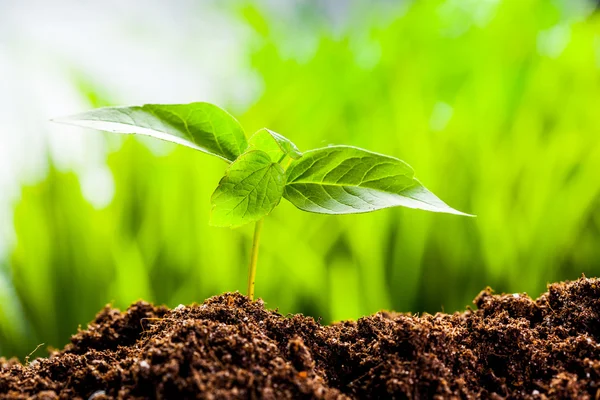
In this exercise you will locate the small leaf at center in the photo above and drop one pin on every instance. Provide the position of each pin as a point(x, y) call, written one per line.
point(274, 144)
point(252, 186)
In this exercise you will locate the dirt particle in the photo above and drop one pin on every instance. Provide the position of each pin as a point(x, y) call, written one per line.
point(98, 395)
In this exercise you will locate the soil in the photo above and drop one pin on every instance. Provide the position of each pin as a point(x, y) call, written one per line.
point(229, 347)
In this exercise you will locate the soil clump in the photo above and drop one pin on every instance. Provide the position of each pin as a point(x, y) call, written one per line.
point(231, 348)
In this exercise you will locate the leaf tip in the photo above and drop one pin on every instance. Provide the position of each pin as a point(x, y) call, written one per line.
point(59, 120)
point(67, 120)
point(463, 214)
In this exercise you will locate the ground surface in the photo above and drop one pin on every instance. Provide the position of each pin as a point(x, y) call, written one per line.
point(229, 347)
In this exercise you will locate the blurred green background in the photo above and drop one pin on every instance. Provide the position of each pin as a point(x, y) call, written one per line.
point(494, 103)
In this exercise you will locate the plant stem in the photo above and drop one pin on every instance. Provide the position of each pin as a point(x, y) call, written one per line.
point(254, 258)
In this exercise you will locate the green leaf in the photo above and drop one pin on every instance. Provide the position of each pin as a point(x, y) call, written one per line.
point(201, 126)
point(347, 180)
point(252, 186)
point(274, 144)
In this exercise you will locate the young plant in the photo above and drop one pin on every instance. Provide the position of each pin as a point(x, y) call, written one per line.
point(267, 166)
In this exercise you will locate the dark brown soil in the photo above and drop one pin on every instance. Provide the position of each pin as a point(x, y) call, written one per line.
point(229, 347)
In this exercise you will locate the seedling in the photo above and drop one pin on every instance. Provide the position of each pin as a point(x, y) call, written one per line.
point(268, 166)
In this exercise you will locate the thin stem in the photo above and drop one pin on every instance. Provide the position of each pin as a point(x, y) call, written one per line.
point(254, 258)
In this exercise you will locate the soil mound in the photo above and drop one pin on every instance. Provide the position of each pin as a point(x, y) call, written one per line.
point(229, 348)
